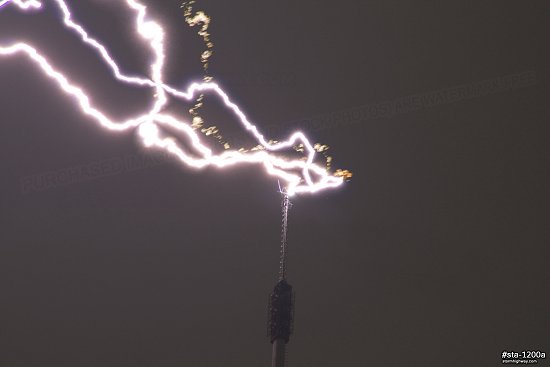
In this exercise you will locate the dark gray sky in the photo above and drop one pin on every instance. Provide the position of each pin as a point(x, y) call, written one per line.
point(434, 254)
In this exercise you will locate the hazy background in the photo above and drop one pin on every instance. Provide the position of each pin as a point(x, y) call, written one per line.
point(434, 254)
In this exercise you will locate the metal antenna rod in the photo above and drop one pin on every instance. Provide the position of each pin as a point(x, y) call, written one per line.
point(281, 301)
point(284, 244)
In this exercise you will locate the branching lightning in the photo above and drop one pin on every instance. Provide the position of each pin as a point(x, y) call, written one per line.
point(313, 177)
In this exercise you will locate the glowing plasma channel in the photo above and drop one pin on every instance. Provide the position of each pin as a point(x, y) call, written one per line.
point(299, 175)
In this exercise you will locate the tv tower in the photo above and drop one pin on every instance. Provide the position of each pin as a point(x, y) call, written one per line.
point(281, 301)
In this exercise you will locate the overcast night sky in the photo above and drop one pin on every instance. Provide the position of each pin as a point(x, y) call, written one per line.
point(434, 254)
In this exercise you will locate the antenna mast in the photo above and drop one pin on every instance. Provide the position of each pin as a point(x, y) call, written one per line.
point(281, 301)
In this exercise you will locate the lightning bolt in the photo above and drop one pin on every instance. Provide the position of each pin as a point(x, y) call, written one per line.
point(148, 123)
point(28, 4)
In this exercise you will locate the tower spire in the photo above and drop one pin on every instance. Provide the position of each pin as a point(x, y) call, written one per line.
point(281, 301)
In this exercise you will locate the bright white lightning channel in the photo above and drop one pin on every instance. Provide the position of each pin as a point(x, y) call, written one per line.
point(314, 178)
